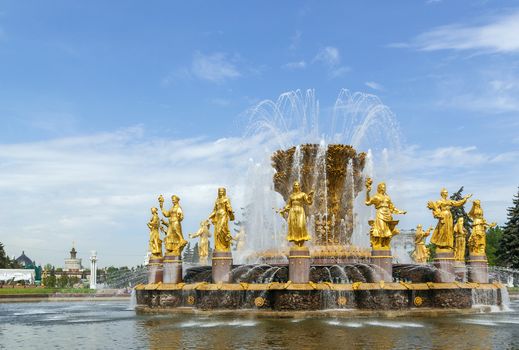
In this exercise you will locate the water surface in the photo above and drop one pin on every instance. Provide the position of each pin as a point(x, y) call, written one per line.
point(115, 325)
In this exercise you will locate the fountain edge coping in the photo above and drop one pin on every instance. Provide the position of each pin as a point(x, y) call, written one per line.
point(316, 286)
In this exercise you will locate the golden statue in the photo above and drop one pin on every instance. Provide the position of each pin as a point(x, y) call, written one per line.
point(240, 239)
point(383, 228)
point(421, 252)
point(174, 241)
point(443, 235)
point(460, 235)
point(477, 240)
point(220, 217)
point(155, 242)
point(203, 244)
point(296, 217)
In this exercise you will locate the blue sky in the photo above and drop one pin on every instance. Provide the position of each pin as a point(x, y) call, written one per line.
point(103, 105)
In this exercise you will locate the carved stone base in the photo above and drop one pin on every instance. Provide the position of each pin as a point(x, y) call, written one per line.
point(155, 270)
point(382, 259)
point(444, 263)
point(172, 269)
point(222, 266)
point(460, 271)
point(478, 269)
point(299, 264)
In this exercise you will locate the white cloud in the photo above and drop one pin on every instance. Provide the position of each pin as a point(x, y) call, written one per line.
point(215, 67)
point(416, 175)
point(329, 55)
point(331, 58)
point(493, 91)
point(295, 65)
point(499, 34)
point(97, 189)
point(374, 85)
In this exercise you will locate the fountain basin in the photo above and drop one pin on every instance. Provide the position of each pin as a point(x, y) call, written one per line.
point(318, 296)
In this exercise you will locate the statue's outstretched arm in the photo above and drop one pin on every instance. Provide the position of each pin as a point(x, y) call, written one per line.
point(196, 234)
point(368, 184)
point(213, 214)
point(228, 207)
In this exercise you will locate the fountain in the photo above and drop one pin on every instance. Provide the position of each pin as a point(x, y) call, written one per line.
point(308, 254)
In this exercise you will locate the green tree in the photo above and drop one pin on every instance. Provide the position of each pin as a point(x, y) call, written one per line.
point(49, 281)
point(508, 250)
point(188, 253)
point(494, 235)
point(63, 281)
point(196, 257)
point(5, 262)
point(432, 251)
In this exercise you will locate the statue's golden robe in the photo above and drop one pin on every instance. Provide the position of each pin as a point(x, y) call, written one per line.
point(155, 246)
point(220, 217)
point(174, 241)
point(297, 231)
point(443, 235)
point(421, 252)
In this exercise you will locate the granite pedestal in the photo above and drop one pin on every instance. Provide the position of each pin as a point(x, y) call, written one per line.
point(299, 264)
point(155, 270)
point(460, 271)
point(478, 268)
point(172, 269)
point(383, 259)
point(222, 266)
point(444, 263)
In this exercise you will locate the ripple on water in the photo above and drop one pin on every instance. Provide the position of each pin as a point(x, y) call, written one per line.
point(344, 324)
point(388, 324)
point(481, 322)
point(31, 312)
point(391, 324)
point(234, 323)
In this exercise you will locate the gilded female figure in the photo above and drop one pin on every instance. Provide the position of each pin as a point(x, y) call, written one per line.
point(240, 239)
point(174, 241)
point(155, 241)
point(460, 235)
point(203, 244)
point(477, 240)
point(383, 228)
point(297, 231)
point(443, 235)
point(222, 213)
point(421, 252)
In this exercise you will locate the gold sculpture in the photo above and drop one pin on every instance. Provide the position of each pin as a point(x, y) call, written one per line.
point(240, 239)
point(460, 235)
point(421, 252)
point(296, 217)
point(174, 241)
point(477, 240)
point(155, 246)
point(443, 235)
point(220, 217)
point(203, 244)
point(383, 228)
point(334, 172)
